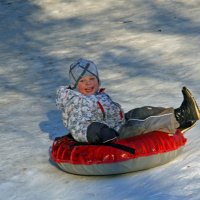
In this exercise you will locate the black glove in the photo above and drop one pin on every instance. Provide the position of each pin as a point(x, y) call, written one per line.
point(100, 133)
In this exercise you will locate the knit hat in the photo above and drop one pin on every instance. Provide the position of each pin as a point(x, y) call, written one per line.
point(81, 68)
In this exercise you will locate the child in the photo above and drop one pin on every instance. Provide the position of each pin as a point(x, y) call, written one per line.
point(92, 116)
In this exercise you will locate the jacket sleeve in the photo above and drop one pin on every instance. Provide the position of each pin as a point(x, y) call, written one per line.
point(76, 112)
point(78, 121)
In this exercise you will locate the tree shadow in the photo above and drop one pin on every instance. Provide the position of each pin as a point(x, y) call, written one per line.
point(37, 51)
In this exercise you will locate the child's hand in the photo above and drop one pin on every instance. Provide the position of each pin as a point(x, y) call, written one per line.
point(100, 133)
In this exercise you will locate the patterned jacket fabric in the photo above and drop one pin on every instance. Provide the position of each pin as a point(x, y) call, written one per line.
point(79, 111)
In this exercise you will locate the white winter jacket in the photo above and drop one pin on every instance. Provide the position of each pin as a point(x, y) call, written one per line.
point(79, 111)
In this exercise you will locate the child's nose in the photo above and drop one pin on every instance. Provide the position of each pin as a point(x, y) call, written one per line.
point(88, 82)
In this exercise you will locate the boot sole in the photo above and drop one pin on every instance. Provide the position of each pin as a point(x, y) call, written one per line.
point(197, 111)
point(188, 128)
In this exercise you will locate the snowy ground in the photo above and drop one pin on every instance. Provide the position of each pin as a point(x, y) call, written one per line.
point(146, 51)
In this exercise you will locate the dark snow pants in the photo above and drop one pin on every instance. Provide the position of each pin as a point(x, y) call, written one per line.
point(146, 119)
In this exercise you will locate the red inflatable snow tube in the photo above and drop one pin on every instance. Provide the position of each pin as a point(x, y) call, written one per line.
point(122, 156)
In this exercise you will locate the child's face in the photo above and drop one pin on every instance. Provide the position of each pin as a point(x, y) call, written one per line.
point(88, 85)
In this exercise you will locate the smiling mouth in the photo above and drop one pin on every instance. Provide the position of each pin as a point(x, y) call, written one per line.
point(89, 89)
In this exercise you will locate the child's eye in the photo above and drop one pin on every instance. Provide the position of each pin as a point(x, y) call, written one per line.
point(92, 78)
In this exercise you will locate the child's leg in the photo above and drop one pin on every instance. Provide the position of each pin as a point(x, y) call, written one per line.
point(147, 111)
point(147, 119)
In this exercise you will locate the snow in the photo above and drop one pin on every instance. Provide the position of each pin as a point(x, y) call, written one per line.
point(145, 50)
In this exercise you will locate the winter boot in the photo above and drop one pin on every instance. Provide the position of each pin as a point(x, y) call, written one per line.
point(188, 113)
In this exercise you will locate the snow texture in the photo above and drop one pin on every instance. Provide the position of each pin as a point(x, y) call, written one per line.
point(145, 51)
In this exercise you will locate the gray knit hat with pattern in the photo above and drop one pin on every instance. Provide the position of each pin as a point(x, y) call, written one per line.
point(81, 68)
